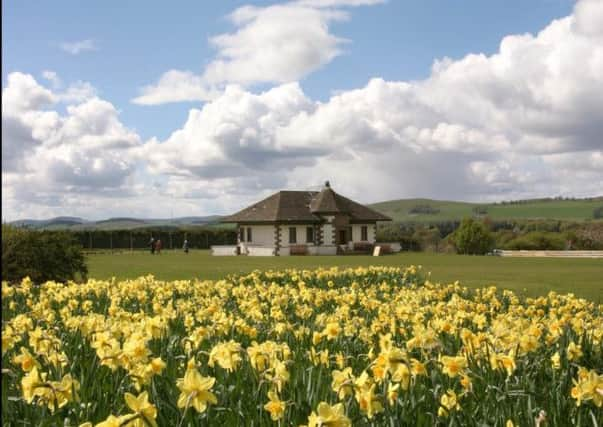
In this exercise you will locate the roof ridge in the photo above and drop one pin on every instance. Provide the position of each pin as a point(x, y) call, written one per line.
point(339, 201)
point(278, 205)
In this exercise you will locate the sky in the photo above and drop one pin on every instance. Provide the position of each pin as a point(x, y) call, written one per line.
point(155, 109)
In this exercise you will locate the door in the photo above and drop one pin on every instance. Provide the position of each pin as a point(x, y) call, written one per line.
point(343, 237)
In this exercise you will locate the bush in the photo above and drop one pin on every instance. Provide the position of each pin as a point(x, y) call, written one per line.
point(598, 212)
point(587, 236)
point(41, 255)
point(472, 238)
point(428, 238)
point(537, 240)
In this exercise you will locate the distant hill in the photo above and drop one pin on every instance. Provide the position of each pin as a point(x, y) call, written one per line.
point(405, 210)
point(121, 223)
point(428, 210)
point(52, 223)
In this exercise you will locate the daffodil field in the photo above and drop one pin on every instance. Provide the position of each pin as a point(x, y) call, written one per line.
point(376, 346)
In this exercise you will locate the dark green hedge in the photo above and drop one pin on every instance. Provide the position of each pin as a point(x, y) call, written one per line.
point(41, 256)
point(171, 238)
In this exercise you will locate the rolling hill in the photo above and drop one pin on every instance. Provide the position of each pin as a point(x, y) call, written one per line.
point(122, 223)
point(427, 210)
point(404, 210)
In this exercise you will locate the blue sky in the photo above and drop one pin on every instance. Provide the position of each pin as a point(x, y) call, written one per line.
point(265, 104)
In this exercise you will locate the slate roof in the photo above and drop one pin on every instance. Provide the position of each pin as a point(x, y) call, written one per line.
point(304, 207)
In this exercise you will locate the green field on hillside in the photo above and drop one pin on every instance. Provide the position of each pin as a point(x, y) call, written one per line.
point(532, 277)
point(575, 210)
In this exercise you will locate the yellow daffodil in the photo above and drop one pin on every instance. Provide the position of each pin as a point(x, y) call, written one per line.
point(448, 402)
point(26, 360)
point(227, 355)
point(275, 406)
point(556, 360)
point(326, 415)
point(453, 365)
point(574, 352)
point(392, 393)
point(343, 382)
point(589, 387)
point(195, 390)
point(140, 405)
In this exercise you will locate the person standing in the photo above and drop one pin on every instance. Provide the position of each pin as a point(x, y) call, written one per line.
point(152, 245)
point(185, 246)
point(158, 246)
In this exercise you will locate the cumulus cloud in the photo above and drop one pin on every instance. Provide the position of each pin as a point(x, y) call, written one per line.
point(275, 44)
point(80, 46)
point(79, 91)
point(175, 86)
point(524, 122)
point(235, 135)
point(512, 124)
point(52, 156)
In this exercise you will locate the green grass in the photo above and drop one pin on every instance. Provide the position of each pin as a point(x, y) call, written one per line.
point(527, 276)
point(574, 210)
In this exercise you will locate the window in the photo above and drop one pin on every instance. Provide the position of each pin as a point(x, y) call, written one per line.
point(242, 234)
point(364, 233)
point(292, 235)
point(249, 234)
point(310, 235)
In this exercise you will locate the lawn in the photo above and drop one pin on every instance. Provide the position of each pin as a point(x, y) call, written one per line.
point(531, 277)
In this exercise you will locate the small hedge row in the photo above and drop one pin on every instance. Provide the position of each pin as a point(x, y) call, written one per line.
point(41, 256)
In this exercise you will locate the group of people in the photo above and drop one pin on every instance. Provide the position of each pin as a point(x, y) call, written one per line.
point(155, 246)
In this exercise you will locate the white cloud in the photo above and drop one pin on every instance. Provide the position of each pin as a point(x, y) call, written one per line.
point(274, 44)
point(175, 86)
point(23, 93)
point(588, 15)
point(234, 134)
point(478, 127)
point(524, 122)
point(77, 47)
point(77, 92)
point(49, 157)
point(52, 77)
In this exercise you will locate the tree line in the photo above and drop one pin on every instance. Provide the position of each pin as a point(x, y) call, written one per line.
point(500, 234)
point(171, 238)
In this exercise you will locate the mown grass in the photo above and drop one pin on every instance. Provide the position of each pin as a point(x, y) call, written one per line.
point(530, 277)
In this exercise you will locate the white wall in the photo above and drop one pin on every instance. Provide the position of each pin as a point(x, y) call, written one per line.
point(261, 235)
point(224, 250)
point(357, 232)
point(261, 251)
point(327, 234)
point(322, 250)
point(301, 234)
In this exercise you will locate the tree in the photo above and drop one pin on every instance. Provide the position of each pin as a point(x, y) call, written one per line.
point(428, 238)
point(472, 238)
point(41, 255)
